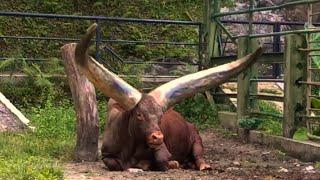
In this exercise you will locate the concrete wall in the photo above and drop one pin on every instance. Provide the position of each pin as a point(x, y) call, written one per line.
point(306, 151)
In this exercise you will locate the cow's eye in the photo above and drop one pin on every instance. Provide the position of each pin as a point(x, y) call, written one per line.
point(139, 116)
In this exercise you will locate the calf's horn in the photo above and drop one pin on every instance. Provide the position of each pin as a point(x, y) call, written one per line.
point(109, 83)
point(175, 91)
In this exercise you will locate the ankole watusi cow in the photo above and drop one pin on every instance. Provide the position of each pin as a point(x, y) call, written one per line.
point(142, 130)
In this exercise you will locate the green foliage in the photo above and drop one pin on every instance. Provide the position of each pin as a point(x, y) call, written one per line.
point(31, 167)
point(36, 155)
point(6, 63)
point(34, 89)
point(164, 9)
point(228, 3)
point(54, 121)
point(315, 103)
point(250, 124)
point(198, 111)
point(268, 107)
point(271, 126)
point(301, 134)
point(102, 108)
point(134, 73)
point(266, 124)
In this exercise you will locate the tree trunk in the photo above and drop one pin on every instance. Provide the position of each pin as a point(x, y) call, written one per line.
point(85, 104)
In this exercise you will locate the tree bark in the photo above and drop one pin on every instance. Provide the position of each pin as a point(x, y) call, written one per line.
point(85, 104)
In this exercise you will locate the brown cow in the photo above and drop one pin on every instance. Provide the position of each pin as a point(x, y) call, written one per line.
point(141, 131)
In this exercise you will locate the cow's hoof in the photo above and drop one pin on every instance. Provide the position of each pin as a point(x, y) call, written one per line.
point(173, 165)
point(144, 165)
point(205, 167)
point(134, 170)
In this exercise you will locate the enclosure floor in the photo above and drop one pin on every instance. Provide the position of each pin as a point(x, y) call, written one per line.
point(228, 155)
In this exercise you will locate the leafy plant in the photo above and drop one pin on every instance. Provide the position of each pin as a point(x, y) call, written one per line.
point(301, 134)
point(250, 124)
point(36, 155)
point(268, 107)
point(198, 111)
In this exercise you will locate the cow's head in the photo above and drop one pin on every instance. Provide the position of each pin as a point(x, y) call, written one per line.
point(147, 109)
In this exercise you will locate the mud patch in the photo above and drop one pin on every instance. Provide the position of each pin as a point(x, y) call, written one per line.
point(230, 157)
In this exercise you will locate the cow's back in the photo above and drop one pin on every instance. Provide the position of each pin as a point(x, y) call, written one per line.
point(177, 135)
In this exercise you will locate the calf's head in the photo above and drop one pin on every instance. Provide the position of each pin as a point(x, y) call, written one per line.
point(147, 109)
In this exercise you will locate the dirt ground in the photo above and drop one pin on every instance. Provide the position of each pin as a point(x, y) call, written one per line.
point(230, 157)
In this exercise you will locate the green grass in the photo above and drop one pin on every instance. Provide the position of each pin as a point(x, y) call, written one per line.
point(38, 154)
point(301, 134)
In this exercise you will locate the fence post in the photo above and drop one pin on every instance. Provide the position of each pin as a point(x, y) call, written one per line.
point(244, 88)
point(294, 94)
point(253, 86)
point(211, 31)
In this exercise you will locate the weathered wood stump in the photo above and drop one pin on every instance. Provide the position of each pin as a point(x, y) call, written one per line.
point(85, 104)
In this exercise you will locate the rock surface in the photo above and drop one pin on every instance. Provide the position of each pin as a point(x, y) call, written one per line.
point(8, 121)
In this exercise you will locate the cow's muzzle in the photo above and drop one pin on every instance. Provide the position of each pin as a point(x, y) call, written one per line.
point(155, 139)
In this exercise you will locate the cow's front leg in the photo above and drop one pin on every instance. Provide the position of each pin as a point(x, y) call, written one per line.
point(197, 150)
point(162, 157)
point(114, 164)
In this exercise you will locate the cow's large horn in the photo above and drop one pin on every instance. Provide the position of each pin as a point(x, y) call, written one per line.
point(174, 91)
point(109, 83)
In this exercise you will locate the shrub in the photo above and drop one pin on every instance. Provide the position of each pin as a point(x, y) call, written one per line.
point(198, 111)
point(250, 124)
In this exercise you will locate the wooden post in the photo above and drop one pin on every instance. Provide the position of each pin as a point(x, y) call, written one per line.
point(294, 94)
point(253, 89)
point(244, 88)
point(211, 31)
point(210, 39)
point(85, 104)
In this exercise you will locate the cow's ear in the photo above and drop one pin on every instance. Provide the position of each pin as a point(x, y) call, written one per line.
point(179, 89)
point(109, 83)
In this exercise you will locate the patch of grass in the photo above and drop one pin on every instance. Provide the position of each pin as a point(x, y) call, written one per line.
point(37, 155)
point(30, 167)
point(272, 127)
point(268, 107)
point(301, 134)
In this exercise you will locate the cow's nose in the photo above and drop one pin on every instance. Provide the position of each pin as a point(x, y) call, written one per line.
point(156, 138)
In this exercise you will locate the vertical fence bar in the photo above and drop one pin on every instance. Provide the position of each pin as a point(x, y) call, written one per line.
point(250, 31)
point(276, 71)
point(294, 93)
point(254, 73)
point(98, 41)
point(211, 31)
point(200, 47)
point(244, 87)
point(243, 82)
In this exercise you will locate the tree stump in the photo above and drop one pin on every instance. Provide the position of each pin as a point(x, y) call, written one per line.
point(85, 104)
